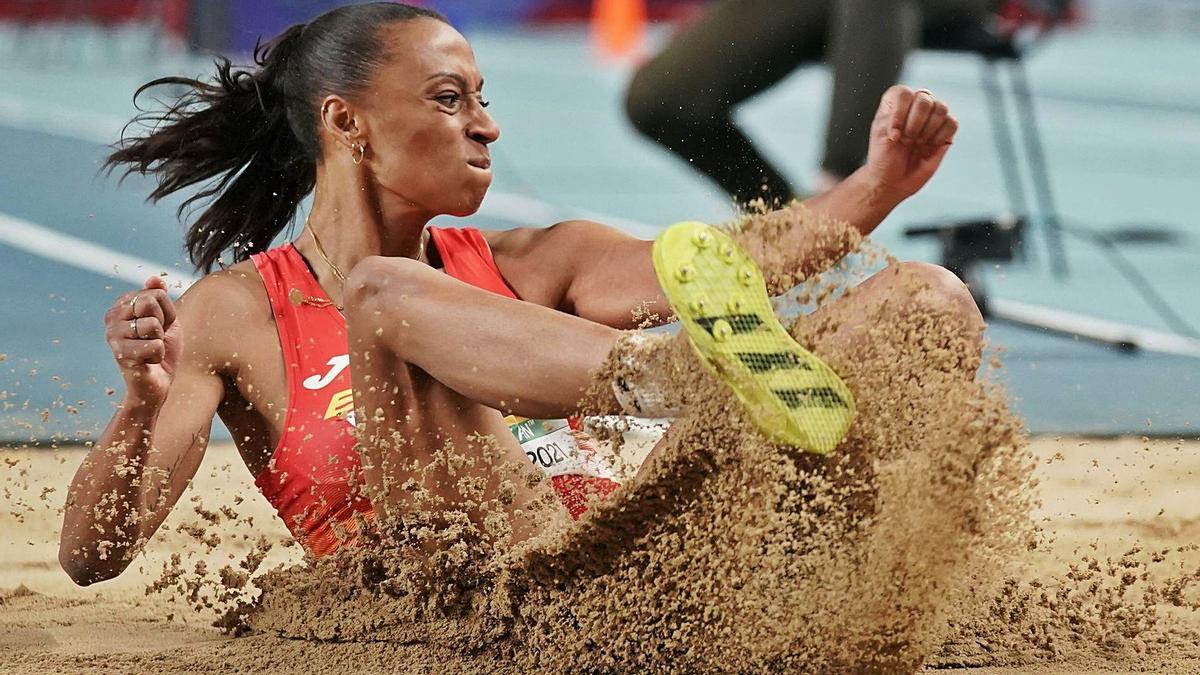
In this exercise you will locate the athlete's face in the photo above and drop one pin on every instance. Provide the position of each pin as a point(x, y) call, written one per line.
point(426, 127)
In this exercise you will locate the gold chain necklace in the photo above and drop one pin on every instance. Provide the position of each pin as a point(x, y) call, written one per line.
point(321, 252)
point(298, 298)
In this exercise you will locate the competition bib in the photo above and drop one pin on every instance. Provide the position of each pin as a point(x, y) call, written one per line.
point(558, 448)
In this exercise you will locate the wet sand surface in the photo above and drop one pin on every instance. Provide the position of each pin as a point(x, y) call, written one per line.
point(1100, 498)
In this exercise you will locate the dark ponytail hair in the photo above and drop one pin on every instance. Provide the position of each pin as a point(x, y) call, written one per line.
point(250, 136)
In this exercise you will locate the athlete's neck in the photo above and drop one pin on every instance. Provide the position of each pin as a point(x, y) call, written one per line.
point(353, 222)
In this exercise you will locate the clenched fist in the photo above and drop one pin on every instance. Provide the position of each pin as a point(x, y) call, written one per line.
point(144, 336)
point(911, 133)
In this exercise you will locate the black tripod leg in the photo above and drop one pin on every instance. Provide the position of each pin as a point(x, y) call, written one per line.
point(1005, 148)
point(1038, 171)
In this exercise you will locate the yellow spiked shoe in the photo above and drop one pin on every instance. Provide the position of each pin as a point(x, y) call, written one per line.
point(720, 297)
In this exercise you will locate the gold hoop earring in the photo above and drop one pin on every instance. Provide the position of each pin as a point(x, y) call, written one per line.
point(361, 148)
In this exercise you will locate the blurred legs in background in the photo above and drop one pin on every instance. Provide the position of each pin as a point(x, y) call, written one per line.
point(684, 98)
point(208, 26)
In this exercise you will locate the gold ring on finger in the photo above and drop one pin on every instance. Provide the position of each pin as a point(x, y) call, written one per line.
point(133, 303)
point(923, 91)
point(134, 328)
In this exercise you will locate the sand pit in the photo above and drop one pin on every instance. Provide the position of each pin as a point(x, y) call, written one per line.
point(932, 538)
point(1101, 498)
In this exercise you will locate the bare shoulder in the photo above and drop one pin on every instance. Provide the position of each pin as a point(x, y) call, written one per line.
point(225, 308)
point(234, 292)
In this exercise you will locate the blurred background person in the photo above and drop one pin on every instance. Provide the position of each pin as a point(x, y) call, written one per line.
point(684, 97)
point(1117, 106)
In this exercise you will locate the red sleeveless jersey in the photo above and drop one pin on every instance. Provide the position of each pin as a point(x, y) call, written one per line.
point(314, 474)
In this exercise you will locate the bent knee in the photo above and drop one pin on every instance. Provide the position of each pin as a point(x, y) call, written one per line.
point(646, 110)
point(666, 114)
point(377, 281)
point(940, 290)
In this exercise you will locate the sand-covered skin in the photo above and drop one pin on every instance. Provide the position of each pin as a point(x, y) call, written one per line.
point(725, 553)
point(100, 629)
point(921, 541)
point(904, 548)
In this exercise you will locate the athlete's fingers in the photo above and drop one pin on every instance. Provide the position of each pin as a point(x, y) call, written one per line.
point(120, 309)
point(145, 328)
point(944, 135)
point(136, 352)
point(918, 116)
point(159, 287)
point(937, 117)
point(934, 156)
point(893, 110)
point(151, 302)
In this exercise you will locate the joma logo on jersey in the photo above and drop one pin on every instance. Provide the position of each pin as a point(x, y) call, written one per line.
point(341, 404)
point(321, 380)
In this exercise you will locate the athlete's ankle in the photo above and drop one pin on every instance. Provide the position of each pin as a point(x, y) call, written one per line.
point(642, 384)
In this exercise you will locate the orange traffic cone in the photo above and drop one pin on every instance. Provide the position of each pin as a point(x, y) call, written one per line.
point(619, 28)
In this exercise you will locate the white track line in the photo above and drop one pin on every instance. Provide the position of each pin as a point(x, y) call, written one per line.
point(1112, 331)
point(59, 120)
point(84, 255)
point(95, 127)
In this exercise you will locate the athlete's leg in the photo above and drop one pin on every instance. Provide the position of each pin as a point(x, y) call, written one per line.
point(869, 40)
point(919, 310)
point(845, 331)
point(412, 423)
point(537, 362)
point(506, 354)
point(684, 98)
point(895, 297)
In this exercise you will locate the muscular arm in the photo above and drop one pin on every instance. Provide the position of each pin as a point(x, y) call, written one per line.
point(583, 268)
point(600, 274)
point(815, 234)
point(142, 463)
point(909, 137)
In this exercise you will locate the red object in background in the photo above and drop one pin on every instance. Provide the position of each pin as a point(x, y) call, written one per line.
point(172, 14)
point(174, 17)
point(570, 11)
point(619, 28)
point(1015, 15)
